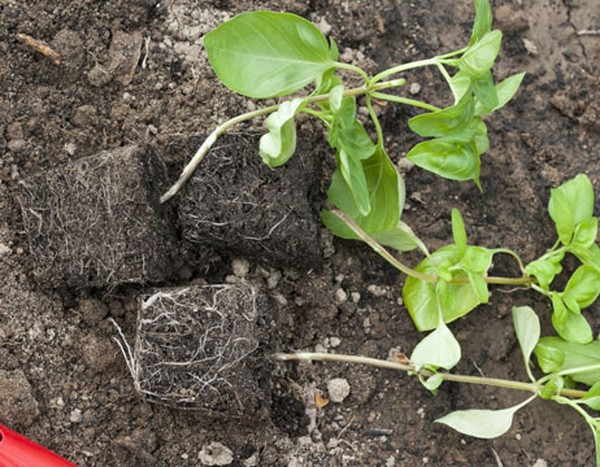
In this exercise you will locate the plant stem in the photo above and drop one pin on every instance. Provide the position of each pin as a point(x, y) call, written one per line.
point(356, 69)
point(404, 100)
point(381, 251)
point(375, 121)
point(456, 378)
point(404, 67)
point(222, 128)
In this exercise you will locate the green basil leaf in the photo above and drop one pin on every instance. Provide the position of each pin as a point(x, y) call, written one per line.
point(432, 383)
point(421, 298)
point(277, 146)
point(592, 397)
point(484, 90)
point(550, 357)
point(445, 121)
point(386, 194)
point(480, 57)
point(334, 51)
point(480, 287)
point(477, 259)
point(447, 158)
point(266, 54)
point(460, 83)
point(354, 175)
point(571, 326)
point(348, 133)
point(482, 142)
point(552, 387)
point(583, 286)
point(506, 89)
point(458, 231)
point(483, 20)
point(545, 269)
point(586, 232)
point(484, 424)
point(336, 94)
point(589, 256)
point(400, 238)
point(439, 349)
point(527, 329)
point(570, 204)
point(555, 354)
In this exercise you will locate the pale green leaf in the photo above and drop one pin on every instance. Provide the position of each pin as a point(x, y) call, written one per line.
point(458, 231)
point(277, 146)
point(439, 349)
point(484, 424)
point(447, 158)
point(583, 286)
point(527, 329)
point(555, 354)
point(420, 296)
point(386, 195)
point(570, 204)
point(433, 382)
point(585, 233)
point(445, 121)
point(484, 90)
point(592, 397)
point(480, 57)
point(483, 20)
point(265, 54)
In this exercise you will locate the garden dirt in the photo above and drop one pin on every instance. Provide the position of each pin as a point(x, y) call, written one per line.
point(135, 73)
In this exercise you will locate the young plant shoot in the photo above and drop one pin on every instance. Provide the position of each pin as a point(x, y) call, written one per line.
point(265, 54)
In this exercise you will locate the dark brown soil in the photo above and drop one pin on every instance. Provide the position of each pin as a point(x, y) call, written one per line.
point(135, 73)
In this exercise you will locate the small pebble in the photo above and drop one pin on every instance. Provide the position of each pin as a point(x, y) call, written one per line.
point(240, 267)
point(215, 454)
point(76, 416)
point(338, 389)
point(341, 296)
point(414, 88)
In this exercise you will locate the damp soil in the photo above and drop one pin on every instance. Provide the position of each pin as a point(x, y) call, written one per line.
point(134, 73)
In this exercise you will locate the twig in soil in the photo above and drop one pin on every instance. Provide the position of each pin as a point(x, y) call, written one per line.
point(588, 32)
point(41, 47)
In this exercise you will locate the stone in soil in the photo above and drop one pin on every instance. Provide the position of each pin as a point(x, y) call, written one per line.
point(195, 350)
point(18, 408)
point(98, 221)
point(236, 203)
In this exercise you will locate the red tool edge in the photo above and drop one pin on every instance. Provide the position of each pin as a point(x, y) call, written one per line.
point(18, 451)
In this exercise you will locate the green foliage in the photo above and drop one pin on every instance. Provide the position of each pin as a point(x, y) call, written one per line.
point(461, 271)
point(266, 54)
point(484, 424)
point(527, 328)
point(277, 146)
point(555, 355)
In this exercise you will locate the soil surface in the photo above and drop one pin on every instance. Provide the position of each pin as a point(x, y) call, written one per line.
point(134, 72)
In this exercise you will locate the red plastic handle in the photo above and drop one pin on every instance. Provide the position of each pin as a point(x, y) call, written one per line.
point(18, 451)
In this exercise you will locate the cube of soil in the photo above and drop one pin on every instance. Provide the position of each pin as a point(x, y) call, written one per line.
point(194, 349)
point(234, 202)
point(98, 221)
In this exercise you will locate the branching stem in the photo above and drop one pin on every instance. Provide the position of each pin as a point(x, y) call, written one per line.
point(411, 369)
point(223, 127)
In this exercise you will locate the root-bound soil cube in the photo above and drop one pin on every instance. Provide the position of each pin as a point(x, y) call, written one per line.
point(194, 349)
point(236, 203)
point(98, 222)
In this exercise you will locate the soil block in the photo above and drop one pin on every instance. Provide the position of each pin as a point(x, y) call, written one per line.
point(194, 349)
point(236, 203)
point(98, 221)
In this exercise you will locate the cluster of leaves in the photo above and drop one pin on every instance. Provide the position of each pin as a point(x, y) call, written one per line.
point(582, 365)
point(266, 54)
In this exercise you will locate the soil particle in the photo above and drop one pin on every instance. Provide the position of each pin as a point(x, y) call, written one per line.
point(99, 352)
point(215, 454)
point(18, 408)
point(92, 311)
point(338, 389)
